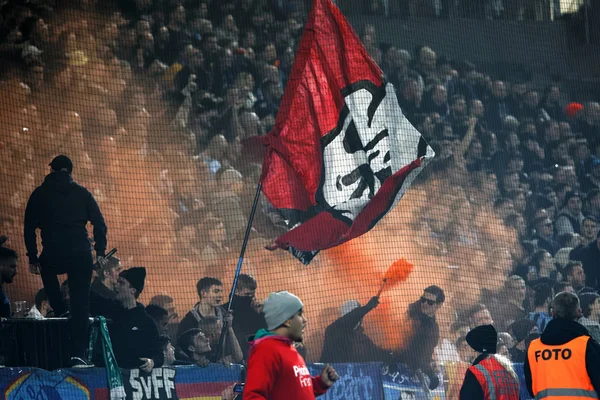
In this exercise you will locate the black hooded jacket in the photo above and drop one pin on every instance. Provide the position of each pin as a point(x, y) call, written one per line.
point(561, 331)
point(61, 209)
point(133, 333)
point(347, 343)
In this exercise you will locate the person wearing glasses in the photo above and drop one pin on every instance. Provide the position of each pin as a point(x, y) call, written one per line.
point(418, 354)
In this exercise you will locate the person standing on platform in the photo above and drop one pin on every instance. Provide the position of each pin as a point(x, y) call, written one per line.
point(491, 376)
point(61, 208)
point(564, 363)
point(275, 369)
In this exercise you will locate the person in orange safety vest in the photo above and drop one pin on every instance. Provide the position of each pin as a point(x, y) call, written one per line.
point(491, 377)
point(564, 363)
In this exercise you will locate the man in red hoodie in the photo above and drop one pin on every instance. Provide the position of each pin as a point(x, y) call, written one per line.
point(275, 369)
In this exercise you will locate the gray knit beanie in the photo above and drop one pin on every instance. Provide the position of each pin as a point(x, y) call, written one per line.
point(279, 307)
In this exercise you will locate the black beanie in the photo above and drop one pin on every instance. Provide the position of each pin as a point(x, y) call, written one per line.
point(136, 277)
point(483, 339)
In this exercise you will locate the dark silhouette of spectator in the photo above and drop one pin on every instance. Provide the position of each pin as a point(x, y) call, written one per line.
point(65, 293)
point(346, 340)
point(591, 180)
point(520, 329)
point(508, 307)
point(531, 110)
point(166, 302)
point(8, 269)
point(168, 351)
point(497, 108)
point(570, 217)
point(61, 208)
point(589, 256)
point(418, 354)
point(42, 304)
point(589, 229)
point(480, 315)
point(436, 101)
point(515, 98)
point(589, 124)
point(247, 319)
point(544, 235)
point(133, 333)
point(160, 317)
point(106, 280)
point(210, 295)
point(542, 299)
point(590, 310)
point(576, 277)
point(551, 103)
point(409, 98)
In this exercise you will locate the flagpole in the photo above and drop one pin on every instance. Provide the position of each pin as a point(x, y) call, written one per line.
point(239, 265)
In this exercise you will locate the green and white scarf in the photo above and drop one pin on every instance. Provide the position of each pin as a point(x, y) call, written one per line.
point(113, 372)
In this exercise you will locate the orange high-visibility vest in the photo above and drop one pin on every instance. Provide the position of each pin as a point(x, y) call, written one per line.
point(559, 372)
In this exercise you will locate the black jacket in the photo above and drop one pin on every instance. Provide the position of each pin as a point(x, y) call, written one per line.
point(418, 353)
point(590, 258)
point(560, 331)
point(61, 209)
point(100, 288)
point(133, 334)
point(5, 311)
point(246, 321)
point(345, 344)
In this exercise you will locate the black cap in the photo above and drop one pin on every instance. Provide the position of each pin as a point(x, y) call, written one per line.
point(483, 339)
point(136, 277)
point(62, 162)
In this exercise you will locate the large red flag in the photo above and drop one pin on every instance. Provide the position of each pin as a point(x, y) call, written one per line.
point(341, 154)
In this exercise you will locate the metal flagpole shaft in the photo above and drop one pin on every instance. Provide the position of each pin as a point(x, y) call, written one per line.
point(239, 268)
point(244, 244)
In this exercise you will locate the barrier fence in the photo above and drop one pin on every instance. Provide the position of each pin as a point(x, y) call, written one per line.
point(357, 382)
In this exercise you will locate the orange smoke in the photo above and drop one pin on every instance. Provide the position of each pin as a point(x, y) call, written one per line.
point(397, 272)
point(135, 185)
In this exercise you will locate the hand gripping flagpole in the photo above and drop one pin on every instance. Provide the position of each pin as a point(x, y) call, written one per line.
point(239, 267)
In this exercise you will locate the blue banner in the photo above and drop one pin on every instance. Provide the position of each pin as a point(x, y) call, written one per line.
point(522, 386)
point(182, 382)
point(357, 381)
point(370, 381)
point(404, 384)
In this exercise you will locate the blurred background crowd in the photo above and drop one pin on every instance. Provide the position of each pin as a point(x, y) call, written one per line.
point(153, 101)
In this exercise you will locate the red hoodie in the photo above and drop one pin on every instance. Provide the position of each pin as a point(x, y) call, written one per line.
point(276, 371)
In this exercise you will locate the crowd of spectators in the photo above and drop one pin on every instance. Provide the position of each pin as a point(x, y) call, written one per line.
point(152, 100)
point(538, 10)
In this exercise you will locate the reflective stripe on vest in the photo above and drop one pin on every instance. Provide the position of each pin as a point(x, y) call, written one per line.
point(495, 381)
point(565, 393)
point(489, 380)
